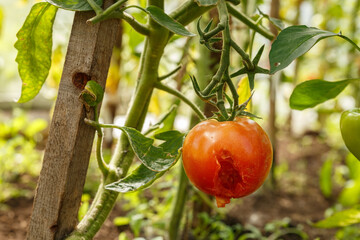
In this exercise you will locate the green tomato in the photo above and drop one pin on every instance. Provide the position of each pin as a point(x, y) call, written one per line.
point(350, 130)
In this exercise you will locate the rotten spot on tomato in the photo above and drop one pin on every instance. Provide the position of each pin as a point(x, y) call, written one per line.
point(228, 159)
point(80, 79)
point(228, 176)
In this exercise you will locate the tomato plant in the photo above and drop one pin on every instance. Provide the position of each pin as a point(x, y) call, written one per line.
point(350, 128)
point(228, 159)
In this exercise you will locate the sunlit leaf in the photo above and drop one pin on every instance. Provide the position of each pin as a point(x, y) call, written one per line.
point(293, 42)
point(244, 92)
point(313, 92)
point(340, 219)
point(74, 5)
point(167, 22)
point(206, 2)
point(34, 47)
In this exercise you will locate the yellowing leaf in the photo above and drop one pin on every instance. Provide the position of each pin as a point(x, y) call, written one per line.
point(244, 92)
point(34, 47)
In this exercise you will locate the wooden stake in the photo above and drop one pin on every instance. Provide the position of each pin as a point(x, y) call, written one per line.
point(67, 153)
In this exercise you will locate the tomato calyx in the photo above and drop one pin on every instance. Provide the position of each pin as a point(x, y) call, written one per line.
point(234, 112)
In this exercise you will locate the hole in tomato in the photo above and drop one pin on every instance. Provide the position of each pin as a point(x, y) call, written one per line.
point(228, 175)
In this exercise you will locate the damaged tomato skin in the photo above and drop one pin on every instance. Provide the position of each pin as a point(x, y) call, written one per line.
point(228, 159)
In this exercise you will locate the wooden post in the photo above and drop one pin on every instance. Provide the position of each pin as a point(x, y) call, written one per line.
point(67, 153)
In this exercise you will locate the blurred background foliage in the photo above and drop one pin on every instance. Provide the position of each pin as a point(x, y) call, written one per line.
point(335, 173)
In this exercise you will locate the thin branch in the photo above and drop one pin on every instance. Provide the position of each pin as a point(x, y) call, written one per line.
point(169, 74)
point(178, 94)
point(250, 23)
point(137, 26)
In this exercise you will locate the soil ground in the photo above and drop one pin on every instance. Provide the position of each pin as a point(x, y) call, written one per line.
point(297, 196)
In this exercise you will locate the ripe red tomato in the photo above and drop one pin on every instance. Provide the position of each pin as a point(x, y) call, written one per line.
point(227, 159)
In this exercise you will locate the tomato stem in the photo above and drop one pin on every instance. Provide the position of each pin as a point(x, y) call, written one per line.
point(182, 97)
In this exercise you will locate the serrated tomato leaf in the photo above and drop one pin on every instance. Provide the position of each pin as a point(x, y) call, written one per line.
point(159, 16)
point(206, 2)
point(156, 158)
point(173, 141)
point(292, 42)
point(139, 179)
point(142, 177)
point(34, 47)
point(74, 5)
point(340, 219)
point(313, 92)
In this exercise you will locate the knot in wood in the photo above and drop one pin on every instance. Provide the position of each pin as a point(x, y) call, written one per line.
point(80, 79)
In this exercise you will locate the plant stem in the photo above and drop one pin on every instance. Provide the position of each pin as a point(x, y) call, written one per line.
point(178, 206)
point(99, 157)
point(101, 15)
point(243, 54)
point(97, 9)
point(160, 78)
point(137, 26)
point(178, 94)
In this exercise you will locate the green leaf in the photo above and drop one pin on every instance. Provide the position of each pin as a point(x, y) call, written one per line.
point(313, 92)
point(92, 94)
point(154, 158)
point(159, 16)
point(140, 178)
point(206, 2)
point(325, 177)
point(277, 22)
point(340, 219)
point(74, 5)
point(293, 42)
point(173, 141)
point(165, 122)
point(34, 47)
